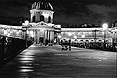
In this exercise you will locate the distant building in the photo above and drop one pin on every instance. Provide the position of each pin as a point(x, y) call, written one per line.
point(40, 27)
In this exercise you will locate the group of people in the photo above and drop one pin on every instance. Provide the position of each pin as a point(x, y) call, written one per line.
point(42, 42)
point(66, 44)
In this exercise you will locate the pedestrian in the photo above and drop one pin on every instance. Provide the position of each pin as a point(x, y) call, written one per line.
point(69, 42)
point(46, 42)
point(62, 42)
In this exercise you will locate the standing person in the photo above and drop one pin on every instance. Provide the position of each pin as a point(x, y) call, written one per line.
point(46, 42)
point(62, 42)
point(69, 42)
point(41, 41)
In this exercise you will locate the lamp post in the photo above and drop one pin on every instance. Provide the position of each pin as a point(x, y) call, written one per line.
point(105, 26)
point(95, 36)
point(26, 24)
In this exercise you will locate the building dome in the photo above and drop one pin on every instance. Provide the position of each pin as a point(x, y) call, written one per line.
point(42, 5)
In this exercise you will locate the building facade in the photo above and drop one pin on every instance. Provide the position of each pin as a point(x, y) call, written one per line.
point(41, 28)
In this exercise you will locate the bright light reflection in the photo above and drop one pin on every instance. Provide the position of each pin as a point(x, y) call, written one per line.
point(25, 61)
point(27, 32)
point(75, 36)
point(25, 67)
point(5, 32)
point(8, 34)
point(59, 36)
point(46, 15)
point(28, 53)
point(69, 34)
point(26, 58)
point(33, 46)
point(26, 22)
point(105, 26)
point(32, 34)
point(26, 70)
point(83, 36)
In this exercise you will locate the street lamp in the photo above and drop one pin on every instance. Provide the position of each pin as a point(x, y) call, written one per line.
point(26, 24)
point(69, 34)
point(59, 36)
point(83, 36)
point(105, 26)
point(75, 37)
point(95, 36)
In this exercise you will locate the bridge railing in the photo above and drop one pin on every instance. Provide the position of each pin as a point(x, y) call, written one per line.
point(10, 47)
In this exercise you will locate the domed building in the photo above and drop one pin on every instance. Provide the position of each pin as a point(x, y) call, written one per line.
point(42, 11)
point(41, 26)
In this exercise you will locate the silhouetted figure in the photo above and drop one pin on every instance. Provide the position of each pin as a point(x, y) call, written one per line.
point(46, 42)
point(69, 43)
point(41, 40)
point(62, 42)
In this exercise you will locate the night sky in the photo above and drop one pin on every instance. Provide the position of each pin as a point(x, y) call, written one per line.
point(67, 12)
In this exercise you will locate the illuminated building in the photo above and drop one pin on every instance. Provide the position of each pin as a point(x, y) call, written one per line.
point(88, 34)
point(41, 27)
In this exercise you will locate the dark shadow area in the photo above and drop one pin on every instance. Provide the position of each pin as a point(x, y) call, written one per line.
point(10, 47)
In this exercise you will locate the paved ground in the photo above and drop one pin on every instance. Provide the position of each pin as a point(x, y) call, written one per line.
point(51, 62)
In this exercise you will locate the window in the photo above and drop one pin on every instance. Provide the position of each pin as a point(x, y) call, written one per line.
point(41, 18)
point(33, 19)
point(49, 19)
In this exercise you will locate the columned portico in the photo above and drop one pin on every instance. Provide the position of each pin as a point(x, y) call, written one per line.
point(40, 27)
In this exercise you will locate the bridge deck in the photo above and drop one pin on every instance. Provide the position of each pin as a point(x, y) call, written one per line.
point(50, 62)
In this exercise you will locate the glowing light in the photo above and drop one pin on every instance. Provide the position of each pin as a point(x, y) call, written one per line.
point(46, 15)
point(83, 36)
point(27, 32)
point(5, 32)
point(8, 34)
point(50, 24)
point(75, 36)
point(25, 61)
point(69, 34)
point(104, 26)
point(25, 67)
point(17, 32)
point(26, 22)
point(26, 70)
point(26, 58)
point(59, 36)
point(32, 34)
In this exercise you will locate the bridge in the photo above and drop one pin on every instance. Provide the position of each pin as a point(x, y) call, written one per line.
point(20, 57)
